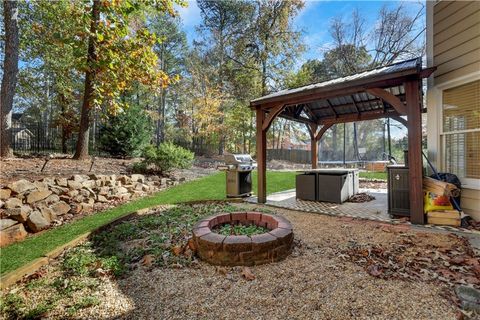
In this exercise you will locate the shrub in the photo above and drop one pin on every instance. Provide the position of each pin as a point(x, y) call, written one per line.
point(165, 158)
point(127, 134)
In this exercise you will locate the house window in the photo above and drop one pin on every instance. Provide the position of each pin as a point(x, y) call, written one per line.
point(461, 130)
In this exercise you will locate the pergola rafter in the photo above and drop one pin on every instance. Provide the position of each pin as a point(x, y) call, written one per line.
point(393, 91)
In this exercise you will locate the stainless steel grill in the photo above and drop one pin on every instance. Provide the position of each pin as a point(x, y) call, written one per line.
point(238, 169)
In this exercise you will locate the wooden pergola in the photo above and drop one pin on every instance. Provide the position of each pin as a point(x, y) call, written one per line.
point(391, 91)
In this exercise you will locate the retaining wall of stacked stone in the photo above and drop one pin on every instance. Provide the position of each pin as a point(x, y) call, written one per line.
point(27, 206)
point(243, 250)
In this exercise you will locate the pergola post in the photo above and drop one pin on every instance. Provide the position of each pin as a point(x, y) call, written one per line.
point(312, 130)
point(261, 157)
point(415, 163)
point(314, 151)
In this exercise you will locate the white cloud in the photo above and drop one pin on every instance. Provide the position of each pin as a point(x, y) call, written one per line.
point(190, 15)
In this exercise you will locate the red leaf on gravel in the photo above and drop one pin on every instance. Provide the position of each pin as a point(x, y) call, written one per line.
point(247, 274)
point(147, 260)
point(177, 250)
point(457, 260)
point(375, 270)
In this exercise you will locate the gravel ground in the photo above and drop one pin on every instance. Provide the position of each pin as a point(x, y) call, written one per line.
point(313, 283)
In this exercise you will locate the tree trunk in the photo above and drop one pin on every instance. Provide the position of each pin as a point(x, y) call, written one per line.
point(9, 81)
point(81, 152)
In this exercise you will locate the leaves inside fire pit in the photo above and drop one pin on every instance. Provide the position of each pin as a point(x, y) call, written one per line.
point(239, 229)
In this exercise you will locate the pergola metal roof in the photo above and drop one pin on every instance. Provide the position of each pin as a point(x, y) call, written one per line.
point(357, 94)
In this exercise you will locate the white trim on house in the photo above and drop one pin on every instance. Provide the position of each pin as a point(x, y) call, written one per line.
point(435, 125)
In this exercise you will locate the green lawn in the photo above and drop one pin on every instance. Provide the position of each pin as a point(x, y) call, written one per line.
point(373, 175)
point(208, 188)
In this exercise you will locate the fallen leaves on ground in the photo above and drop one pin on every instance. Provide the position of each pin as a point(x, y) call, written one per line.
point(147, 260)
point(407, 259)
point(361, 197)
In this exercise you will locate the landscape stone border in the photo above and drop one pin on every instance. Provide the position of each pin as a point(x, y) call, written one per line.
point(242, 250)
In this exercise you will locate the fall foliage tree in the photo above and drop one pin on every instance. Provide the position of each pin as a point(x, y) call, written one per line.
point(119, 53)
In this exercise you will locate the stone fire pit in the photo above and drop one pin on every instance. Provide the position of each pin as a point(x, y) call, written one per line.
point(242, 250)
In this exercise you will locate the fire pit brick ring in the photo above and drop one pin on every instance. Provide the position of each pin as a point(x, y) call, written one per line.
point(233, 250)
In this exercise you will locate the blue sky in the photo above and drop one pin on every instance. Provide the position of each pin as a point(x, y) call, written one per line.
point(313, 20)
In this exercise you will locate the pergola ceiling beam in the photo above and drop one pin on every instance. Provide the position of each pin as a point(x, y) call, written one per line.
point(363, 116)
point(298, 119)
point(331, 108)
point(390, 98)
point(299, 110)
point(355, 104)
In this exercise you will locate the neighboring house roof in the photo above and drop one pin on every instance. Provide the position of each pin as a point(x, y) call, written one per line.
point(17, 116)
point(16, 131)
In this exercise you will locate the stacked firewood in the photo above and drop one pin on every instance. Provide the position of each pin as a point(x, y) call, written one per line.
point(440, 188)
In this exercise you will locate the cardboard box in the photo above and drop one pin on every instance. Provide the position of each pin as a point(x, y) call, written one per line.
point(445, 218)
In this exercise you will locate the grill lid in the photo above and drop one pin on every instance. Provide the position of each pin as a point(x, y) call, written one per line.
point(238, 159)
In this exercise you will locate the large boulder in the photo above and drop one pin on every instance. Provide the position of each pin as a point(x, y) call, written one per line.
point(53, 198)
point(62, 182)
point(138, 178)
point(13, 203)
point(88, 184)
point(40, 185)
point(19, 214)
point(58, 190)
point(21, 186)
point(37, 222)
point(103, 190)
point(6, 223)
point(101, 198)
point(72, 184)
point(124, 180)
point(36, 196)
point(5, 194)
point(78, 178)
point(12, 234)
point(48, 181)
point(121, 190)
point(60, 208)
point(48, 214)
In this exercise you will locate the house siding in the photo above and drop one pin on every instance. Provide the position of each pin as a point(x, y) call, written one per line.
point(456, 39)
point(453, 46)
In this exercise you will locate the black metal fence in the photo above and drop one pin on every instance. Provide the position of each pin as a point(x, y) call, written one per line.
point(39, 139)
point(296, 156)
